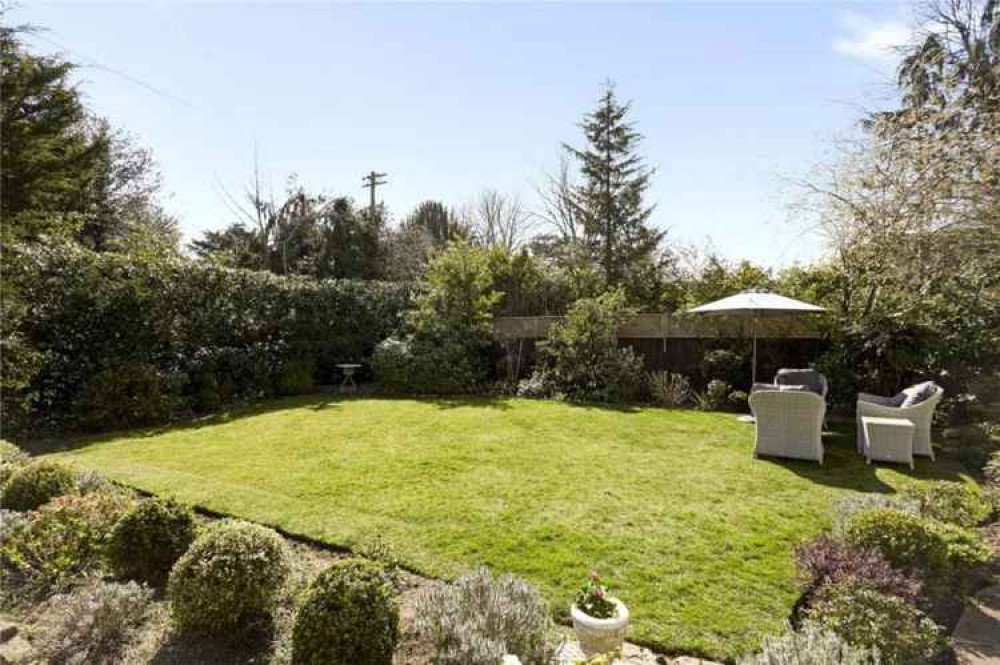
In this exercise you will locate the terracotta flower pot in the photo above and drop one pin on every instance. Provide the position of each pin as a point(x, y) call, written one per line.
point(599, 636)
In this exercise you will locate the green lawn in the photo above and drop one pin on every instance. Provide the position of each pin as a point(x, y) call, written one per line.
point(695, 535)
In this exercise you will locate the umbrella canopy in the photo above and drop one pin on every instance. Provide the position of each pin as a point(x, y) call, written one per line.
point(754, 305)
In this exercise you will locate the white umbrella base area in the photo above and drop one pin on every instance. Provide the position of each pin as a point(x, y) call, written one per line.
point(746, 418)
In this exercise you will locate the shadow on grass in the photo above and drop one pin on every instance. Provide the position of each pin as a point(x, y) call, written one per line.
point(845, 468)
point(315, 402)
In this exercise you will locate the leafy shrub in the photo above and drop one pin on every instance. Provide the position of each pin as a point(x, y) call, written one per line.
point(478, 619)
point(91, 311)
point(59, 542)
point(92, 481)
point(826, 561)
point(581, 357)
point(92, 623)
point(349, 617)
point(715, 396)
point(297, 378)
point(668, 390)
point(738, 400)
point(908, 542)
point(228, 578)
point(124, 396)
point(848, 507)
point(953, 502)
point(966, 550)
point(11, 454)
point(149, 539)
point(901, 633)
point(34, 484)
point(812, 645)
point(10, 521)
point(11, 459)
point(415, 367)
point(722, 365)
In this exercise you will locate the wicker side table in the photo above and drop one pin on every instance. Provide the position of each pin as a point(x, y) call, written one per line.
point(888, 439)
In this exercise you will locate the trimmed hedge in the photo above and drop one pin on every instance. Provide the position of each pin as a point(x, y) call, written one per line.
point(229, 578)
point(148, 541)
point(349, 617)
point(193, 334)
point(35, 484)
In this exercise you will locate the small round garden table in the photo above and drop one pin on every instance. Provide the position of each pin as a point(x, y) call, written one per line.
point(348, 369)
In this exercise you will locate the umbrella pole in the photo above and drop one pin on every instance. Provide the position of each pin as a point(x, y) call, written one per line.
point(753, 370)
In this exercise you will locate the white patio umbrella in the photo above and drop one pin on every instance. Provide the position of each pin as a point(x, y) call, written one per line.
point(755, 305)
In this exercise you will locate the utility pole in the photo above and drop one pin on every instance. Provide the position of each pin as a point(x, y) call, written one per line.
point(373, 180)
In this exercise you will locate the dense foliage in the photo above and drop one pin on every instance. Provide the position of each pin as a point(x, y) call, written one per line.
point(479, 619)
point(581, 358)
point(868, 619)
point(32, 485)
point(957, 503)
point(116, 340)
point(908, 542)
point(826, 561)
point(349, 617)
point(149, 539)
point(59, 542)
point(229, 578)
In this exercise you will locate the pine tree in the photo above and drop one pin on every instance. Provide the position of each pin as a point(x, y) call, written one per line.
point(610, 199)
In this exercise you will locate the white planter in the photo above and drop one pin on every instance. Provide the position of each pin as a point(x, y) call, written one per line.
point(599, 636)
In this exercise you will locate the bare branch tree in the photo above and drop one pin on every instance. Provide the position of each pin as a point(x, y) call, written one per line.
point(498, 220)
point(557, 207)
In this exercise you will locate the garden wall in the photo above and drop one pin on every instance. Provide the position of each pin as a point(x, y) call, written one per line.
point(677, 344)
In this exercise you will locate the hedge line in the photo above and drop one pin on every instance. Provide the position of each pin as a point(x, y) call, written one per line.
point(80, 326)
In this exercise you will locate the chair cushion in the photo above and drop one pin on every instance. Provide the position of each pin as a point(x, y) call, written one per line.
point(807, 377)
point(917, 394)
point(791, 388)
point(764, 386)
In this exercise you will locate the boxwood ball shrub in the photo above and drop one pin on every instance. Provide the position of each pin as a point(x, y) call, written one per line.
point(34, 484)
point(865, 618)
point(957, 503)
point(149, 539)
point(11, 458)
point(228, 579)
point(908, 542)
point(349, 617)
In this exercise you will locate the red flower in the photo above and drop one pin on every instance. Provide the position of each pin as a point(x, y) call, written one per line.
point(599, 593)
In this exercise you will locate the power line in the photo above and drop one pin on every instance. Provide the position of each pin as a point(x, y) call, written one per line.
point(371, 181)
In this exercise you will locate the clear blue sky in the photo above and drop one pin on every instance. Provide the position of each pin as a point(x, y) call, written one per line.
point(450, 99)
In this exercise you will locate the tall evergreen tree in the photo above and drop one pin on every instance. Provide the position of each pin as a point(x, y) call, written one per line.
point(609, 201)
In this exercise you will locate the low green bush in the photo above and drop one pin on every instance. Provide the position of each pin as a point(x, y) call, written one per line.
point(60, 542)
point(867, 619)
point(957, 503)
point(444, 367)
point(715, 396)
point(228, 579)
point(125, 395)
point(147, 542)
point(811, 645)
point(349, 617)
point(34, 484)
point(908, 542)
point(992, 468)
point(11, 459)
point(967, 551)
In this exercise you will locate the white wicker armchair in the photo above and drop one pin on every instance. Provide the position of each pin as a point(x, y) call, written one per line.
point(886, 407)
point(789, 423)
point(810, 378)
